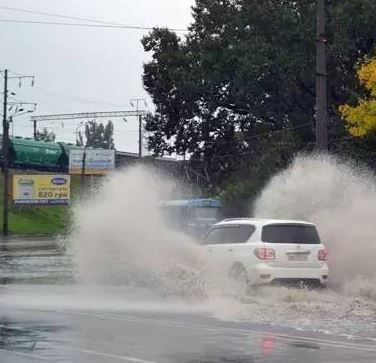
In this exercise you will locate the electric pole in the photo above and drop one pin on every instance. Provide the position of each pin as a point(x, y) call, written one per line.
point(83, 168)
point(5, 146)
point(140, 136)
point(35, 129)
point(5, 157)
point(321, 80)
point(137, 100)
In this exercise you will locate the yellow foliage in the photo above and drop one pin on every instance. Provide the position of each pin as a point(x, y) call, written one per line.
point(367, 75)
point(361, 119)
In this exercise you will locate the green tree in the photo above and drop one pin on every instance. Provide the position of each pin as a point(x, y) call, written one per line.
point(45, 135)
point(245, 71)
point(97, 135)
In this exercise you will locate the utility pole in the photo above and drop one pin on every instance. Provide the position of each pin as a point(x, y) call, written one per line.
point(35, 129)
point(83, 165)
point(137, 100)
point(140, 136)
point(321, 79)
point(83, 168)
point(5, 147)
point(5, 157)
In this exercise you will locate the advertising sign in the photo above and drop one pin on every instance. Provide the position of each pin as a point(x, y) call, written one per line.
point(41, 189)
point(97, 161)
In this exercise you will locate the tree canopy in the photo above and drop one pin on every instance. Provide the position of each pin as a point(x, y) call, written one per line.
point(245, 72)
point(45, 135)
point(361, 118)
point(97, 135)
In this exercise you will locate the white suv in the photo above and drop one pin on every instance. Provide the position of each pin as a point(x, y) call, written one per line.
point(268, 251)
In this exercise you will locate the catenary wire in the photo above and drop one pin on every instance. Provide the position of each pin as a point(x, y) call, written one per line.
point(128, 27)
point(28, 11)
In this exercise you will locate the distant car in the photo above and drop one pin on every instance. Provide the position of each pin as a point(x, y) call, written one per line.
point(262, 251)
point(191, 216)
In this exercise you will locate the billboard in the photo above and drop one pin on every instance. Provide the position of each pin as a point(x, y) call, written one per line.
point(41, 189)
point(97, 161)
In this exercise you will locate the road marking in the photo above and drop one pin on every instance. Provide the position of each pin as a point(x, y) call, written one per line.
point(179, 324)
point(101, 354)
point(60, 346)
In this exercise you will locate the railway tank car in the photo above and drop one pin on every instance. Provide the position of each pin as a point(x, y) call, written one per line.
point(30, 154)
point(27, 153)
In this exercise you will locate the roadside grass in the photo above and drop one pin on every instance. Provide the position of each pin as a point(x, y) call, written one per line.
point(35, 220)
point(39, 220)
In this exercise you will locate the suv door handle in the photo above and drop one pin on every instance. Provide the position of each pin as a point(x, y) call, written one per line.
point(230, 249)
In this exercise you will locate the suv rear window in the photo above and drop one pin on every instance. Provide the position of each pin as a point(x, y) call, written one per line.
point(238, 233)
point(290, 233)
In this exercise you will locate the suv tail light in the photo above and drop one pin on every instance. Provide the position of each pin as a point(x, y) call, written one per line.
point(323, 254)
point(264, 253)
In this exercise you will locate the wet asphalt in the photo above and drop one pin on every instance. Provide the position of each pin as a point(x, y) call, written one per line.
point(48, 333)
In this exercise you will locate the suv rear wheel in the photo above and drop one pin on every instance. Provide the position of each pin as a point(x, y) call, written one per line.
point(239, 274)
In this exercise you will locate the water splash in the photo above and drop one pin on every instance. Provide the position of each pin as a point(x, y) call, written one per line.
point(340, 197)
point(134, 262)
point(122, 238)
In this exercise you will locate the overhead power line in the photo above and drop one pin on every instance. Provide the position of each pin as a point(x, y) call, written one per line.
point(129, 27)
point(91, 20)
point(93, 115)
point(60, 16)
point(98, 23)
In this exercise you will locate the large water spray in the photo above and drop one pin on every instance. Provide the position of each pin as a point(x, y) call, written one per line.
point(340, 198)
point(121, 236)
point(123, 239)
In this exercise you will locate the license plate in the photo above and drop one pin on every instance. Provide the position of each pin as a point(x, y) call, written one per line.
point(297, 257)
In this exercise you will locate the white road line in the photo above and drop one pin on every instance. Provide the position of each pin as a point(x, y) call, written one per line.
point(102, 354)
point(65, 347)
point(179, 324)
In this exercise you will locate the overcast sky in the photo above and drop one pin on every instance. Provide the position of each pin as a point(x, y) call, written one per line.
point(83, 69)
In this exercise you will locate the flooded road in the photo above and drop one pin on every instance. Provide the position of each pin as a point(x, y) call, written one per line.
point(46, 316)
point(97, 336)
point(34, 260)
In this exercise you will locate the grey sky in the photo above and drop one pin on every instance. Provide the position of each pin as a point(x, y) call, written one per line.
point(83, 69)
